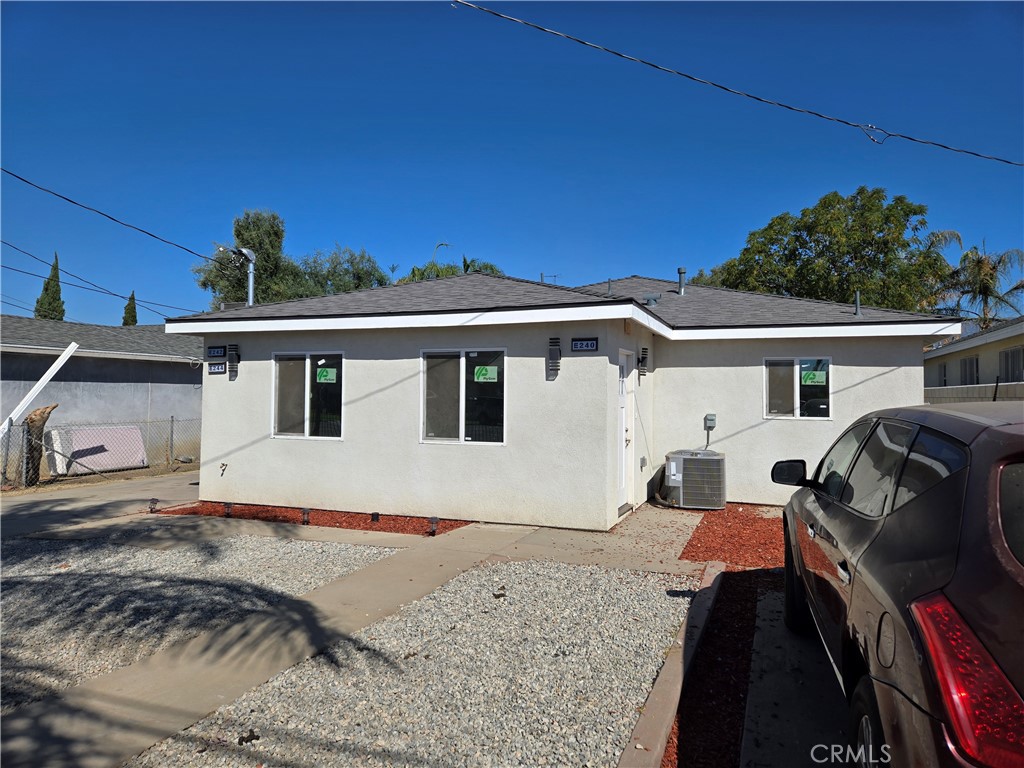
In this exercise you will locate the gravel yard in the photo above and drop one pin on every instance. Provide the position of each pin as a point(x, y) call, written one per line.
point(531, 663)
point(73, 610)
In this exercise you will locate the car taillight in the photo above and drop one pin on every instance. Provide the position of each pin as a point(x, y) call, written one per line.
point(985, 711)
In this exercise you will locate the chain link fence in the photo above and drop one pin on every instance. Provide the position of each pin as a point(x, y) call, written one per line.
point(71, 450)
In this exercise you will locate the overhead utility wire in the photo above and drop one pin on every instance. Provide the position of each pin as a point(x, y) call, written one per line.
point(73, 285)
point(18, 304)
point(866, 128)
point(108, 216)
point(104, 290)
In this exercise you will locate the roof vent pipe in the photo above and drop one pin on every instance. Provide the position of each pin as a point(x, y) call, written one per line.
point(682, 279)
point(609, 287)
point(856, 305)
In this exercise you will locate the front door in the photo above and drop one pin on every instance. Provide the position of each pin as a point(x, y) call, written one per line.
point(625, 436)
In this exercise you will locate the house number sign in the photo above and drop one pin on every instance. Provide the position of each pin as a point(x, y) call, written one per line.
point(217, 352)
point(215, 368)
point(584, 345)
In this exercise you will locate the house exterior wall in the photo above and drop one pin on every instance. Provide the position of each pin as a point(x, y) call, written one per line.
point(550, 471)
point(988, 361)
point(94, 390)
point(727, 378)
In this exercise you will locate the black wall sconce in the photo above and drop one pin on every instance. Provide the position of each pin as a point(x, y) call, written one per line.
point(234, 358)
point(554, 357)
point(641, 366)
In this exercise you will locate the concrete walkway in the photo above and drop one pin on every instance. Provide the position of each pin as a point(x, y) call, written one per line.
point(107, 720)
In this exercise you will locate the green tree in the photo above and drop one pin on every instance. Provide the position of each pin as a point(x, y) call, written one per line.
point(862, 242)
point(342, 270)
point(983, 284)
point(49, 305)
point(130, 317)
point(435, 269)
point(277, 277)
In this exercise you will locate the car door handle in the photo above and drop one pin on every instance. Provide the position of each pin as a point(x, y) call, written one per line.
point(844, 574)
point(810, 530)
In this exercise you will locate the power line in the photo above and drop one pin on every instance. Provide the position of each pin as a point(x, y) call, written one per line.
point(108, 216)
point(871, 131)
point(18, 304)
point(80, 287)
point(104, 290)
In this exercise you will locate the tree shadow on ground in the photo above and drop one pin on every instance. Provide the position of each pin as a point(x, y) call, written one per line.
point(96, 620)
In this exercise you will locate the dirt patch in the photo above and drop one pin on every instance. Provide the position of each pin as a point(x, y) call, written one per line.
point(357, 521)
point(708, 729)
point(740, 534)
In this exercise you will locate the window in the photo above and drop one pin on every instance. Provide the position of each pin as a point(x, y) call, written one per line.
point(837, 461)
point(798, 387)
point(307, 395)
point(932, 459)
point(969, 370)
point(943, 377)
point(871, 480)
point(464, 396)
point(1011, 364)
point(1011, 507)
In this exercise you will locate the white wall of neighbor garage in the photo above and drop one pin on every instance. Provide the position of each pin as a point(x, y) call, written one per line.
point(553, 469)
point(726, 378)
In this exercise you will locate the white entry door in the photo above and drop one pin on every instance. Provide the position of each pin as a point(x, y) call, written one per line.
point(625, 435)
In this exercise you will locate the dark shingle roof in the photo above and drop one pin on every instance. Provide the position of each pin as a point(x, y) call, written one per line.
point(972, 337)
point(135, 341)
point(475, 292)
point(700, 307)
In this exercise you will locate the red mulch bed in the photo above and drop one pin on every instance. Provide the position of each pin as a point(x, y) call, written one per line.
point(322, 517)
point(737, 535)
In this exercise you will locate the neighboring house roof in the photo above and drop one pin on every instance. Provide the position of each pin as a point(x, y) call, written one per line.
point(477, 298)
point(142, 342)
point(1007, 329)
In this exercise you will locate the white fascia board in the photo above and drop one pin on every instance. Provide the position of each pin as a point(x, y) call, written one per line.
point(31, 350)
point(865, 330)
point(447, 320)
point(1017, 329)
point(559, 315)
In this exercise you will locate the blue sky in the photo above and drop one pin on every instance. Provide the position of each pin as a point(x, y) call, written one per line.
point(393, 126)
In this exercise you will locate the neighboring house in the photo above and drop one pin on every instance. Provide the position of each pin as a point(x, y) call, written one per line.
point(968, 368)
point(504, 400)
point(118, 374)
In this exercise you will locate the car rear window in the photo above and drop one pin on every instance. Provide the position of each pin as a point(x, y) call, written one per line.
point(1011, 507)
point(932, 459)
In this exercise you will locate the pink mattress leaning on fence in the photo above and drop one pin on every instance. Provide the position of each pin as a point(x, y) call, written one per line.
point(82, 450)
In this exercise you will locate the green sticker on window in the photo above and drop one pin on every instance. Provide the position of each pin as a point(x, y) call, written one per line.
point(485, 373)
point(813, 377)
point(327, 375)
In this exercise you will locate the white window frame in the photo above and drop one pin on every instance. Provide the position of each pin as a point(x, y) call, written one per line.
point(305, 413)
point(795, 360)
point(462, 352)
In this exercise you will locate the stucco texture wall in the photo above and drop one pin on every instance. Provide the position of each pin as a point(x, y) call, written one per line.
point(550, 470)
point(727, 378)
point(94, 390)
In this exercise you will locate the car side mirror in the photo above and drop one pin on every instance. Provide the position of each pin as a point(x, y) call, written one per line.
point(790, 472)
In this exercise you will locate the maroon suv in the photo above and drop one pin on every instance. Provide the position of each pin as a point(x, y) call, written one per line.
point(904, 549)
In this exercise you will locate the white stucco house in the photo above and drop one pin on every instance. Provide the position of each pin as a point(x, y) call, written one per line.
point(504, 400)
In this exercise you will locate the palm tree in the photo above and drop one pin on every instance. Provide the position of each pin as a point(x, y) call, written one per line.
point(978, 283)
point(475, 265)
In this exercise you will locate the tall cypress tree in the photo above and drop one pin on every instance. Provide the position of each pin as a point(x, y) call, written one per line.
point(49, 305)
point(130, 318)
